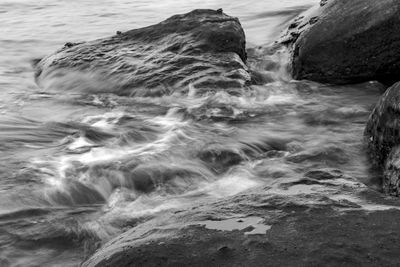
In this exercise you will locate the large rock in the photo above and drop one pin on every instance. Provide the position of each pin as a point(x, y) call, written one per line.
point(260, 230)
point(343, 42)
point(205, 48)
point(383, 137)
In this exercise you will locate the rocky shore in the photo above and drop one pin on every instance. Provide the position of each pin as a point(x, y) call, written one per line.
point(342, 42)
point(292, 224)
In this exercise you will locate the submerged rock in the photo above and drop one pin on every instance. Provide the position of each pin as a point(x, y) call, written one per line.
point(343, 42)
point(205, 48)
point(220, 159)
point(383, 137)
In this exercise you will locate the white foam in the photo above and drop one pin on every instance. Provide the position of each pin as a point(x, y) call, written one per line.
point(170, 121)
point(355, 110)
point(59, 169)
point(104, 121)
point(362, 203)
point(145, 205)
point(230, 185)
point(80, 142)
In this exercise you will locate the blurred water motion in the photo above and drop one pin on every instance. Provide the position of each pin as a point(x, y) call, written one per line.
point(78, 168)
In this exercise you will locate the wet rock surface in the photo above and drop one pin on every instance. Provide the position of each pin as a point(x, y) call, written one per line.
point(382, 129)
point(342, 42)
point(391, 175)
point(309, 229)
point(383, 138)
point(203, 48)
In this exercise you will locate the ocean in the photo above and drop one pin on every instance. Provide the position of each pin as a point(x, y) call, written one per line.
point(79, 168)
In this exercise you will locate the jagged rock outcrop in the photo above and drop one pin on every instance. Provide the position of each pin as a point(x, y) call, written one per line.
point(343, 42)
point(382, 134)
point(204, 48)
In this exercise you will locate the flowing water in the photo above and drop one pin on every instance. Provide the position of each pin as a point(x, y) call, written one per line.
point(76, 169)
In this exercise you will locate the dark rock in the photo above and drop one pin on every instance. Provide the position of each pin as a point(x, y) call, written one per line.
point(307, 235)
point(205, 48)
point(294, 25)
point(323, 2)
point(382, 135)
point(69, 44)
point(147, 177)
point(342, 42)
point(219, 159)
point(391, 175)
point(382, 132)
point(313, 20)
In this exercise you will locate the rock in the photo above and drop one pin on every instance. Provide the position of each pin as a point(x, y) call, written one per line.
point(305, 233)
point(219, 159)
point(342, 42)
point(382, 135)
point(204, 48)
point(323, 2)
point(382, 131)
point(391, 175)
